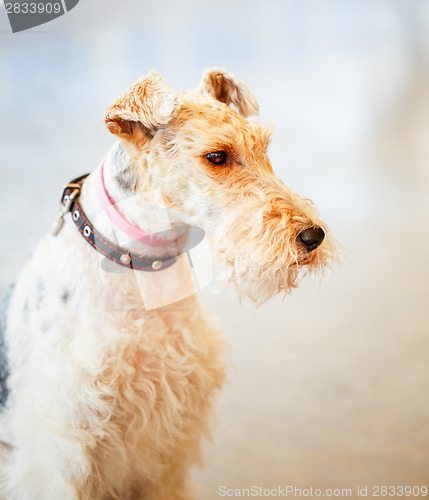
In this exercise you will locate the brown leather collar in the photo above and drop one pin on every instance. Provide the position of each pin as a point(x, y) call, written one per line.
point(112, 251)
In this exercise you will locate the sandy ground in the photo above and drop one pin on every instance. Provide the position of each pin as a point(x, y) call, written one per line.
point(328, 388)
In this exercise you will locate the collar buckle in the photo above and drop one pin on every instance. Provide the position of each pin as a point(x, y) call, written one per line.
point(68, 197)
point(71, 191)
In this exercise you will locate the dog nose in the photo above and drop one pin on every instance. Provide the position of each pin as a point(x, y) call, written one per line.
point(312, 238)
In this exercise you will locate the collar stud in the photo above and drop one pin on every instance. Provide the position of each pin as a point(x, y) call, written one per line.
point(125, 258)
point(156, 265)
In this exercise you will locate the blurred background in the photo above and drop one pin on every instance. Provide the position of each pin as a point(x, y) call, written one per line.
point(328, 388)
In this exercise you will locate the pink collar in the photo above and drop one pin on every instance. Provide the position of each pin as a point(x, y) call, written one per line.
point(119, 220)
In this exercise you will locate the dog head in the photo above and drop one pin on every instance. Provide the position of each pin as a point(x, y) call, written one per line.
point(212, 168)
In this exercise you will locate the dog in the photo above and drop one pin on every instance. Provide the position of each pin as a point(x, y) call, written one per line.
point(108, 365)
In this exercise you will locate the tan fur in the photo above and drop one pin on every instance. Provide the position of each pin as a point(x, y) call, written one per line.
point(109, 398)
point(227, 88)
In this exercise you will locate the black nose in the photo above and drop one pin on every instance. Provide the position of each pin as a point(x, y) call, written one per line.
point(312, 238)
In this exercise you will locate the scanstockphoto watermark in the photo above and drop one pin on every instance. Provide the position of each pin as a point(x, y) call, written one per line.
point(26, 14)
point(291, 491)
point(283, 491)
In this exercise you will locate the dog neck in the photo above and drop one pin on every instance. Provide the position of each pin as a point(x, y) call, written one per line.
point(118, 219)
point(145, 212)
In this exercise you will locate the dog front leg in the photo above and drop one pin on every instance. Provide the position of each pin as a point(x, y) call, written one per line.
point(49, 467)
point(23, 480)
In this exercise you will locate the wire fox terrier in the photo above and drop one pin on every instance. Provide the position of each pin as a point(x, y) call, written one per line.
point(108, 364)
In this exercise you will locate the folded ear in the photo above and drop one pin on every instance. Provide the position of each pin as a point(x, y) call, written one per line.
point(147, 104)
point(227, 88)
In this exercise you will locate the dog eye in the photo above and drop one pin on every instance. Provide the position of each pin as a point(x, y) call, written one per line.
point(217, 158)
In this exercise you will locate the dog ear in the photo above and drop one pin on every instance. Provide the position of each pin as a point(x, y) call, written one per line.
point(227, 88)
point(147, 104)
